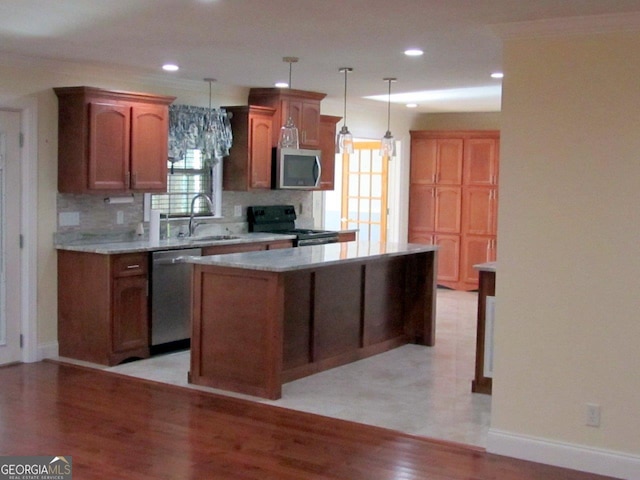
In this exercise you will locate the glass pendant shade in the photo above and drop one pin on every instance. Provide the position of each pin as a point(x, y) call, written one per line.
point(344, 141)
point(388, 145)
point(289, 135)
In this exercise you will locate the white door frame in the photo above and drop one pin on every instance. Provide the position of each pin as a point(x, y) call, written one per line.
point(29, 213)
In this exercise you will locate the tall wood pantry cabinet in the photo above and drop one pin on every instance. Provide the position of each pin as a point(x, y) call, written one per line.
point(453, 200)
point(111, 141)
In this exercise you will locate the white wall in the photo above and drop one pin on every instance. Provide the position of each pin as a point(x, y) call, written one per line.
point(568, 308)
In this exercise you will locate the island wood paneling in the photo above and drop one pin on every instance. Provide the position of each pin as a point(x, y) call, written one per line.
point(236, 341)
point(254, 330)
point(337, 306)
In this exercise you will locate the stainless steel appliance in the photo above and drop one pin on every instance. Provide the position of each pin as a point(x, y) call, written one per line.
point(171, 299)
point(298, 168)
point(281, 219)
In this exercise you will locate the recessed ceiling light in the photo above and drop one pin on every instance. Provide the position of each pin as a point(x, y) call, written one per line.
point(282, 84)
point(413, 52)
point(497, 75)
point(170, 67)
point(412, 105)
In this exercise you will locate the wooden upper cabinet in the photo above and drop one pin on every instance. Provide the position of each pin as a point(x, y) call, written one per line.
point(149, 147)
point(481, 161)
point(248, 166)
point(109, 146)
point(302, 106)
point(436, 161)
point(111, 142)
point(328, 149)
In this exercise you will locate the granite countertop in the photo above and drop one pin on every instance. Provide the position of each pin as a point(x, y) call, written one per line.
point(486, 267)
point(284, 260)
point(109, 248)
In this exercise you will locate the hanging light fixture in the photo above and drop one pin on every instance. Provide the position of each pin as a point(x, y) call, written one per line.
point(344, 140)
point(209, 135)
point(388, 143)
point(289, 132)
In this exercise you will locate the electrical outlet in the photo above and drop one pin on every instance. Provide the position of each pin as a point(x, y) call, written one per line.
point(237, 210)
point(593, 415)
point(120, 217)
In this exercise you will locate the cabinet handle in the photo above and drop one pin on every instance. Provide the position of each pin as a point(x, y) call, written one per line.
point(132, 266)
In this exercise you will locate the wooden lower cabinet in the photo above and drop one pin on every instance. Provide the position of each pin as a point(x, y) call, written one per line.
point(130, 314)
point(103, 307)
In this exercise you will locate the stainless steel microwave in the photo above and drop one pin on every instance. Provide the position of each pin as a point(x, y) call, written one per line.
point(298, 168)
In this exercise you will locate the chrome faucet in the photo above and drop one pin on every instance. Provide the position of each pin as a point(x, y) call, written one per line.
point(192, 224)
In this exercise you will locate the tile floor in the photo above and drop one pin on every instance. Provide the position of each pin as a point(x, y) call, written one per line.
point(418, 390)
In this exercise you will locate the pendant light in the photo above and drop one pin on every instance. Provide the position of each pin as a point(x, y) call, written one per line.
point(289, 132)
point(388, 143)
point(344, 140)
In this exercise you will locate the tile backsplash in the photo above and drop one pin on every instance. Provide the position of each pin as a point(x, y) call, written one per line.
point(82, 217)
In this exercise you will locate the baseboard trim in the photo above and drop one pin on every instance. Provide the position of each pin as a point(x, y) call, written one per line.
point(47, 350)
point(559, 454)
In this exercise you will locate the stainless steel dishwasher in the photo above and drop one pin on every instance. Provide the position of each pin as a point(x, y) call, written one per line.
point(171, 299)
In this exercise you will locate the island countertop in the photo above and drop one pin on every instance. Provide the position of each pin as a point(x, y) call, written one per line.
point(301, 258)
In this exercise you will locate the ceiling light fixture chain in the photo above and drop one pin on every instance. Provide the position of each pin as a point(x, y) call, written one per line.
point(344, 140)
point(388, 144)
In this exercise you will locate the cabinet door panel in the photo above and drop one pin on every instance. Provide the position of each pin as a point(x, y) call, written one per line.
point(130, 322)
point(149, 130)
point(448, 209)
point(481, 161)
point(310, 124)
point(109, 129)
point(328, 149)
point(422, 208)
point(260, 152)
point(479, 211)
point(475, 250)
point(448, 257)
point(423, 160)
point(449, 167)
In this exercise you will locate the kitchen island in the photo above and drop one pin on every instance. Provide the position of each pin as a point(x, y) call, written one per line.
point(261, 319)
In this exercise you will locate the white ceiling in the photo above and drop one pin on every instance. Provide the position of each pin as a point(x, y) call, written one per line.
point(242, 42)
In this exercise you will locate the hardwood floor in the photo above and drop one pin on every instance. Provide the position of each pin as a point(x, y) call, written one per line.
point(117, 427)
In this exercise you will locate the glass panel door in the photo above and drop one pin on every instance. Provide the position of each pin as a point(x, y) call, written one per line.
point(364, 192)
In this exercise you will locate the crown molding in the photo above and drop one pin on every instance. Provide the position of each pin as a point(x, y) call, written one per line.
point(569, 26)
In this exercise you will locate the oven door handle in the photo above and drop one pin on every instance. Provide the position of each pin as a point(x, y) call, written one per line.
point(317, 241)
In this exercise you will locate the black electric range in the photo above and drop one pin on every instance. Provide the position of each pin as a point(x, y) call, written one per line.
point(281, 219)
